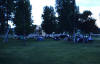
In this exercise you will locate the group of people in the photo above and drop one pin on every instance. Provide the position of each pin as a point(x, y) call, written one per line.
point(76, 38)
point(82, 38)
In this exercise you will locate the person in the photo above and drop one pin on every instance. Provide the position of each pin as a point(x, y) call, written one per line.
point(40, 38)
point(90, 39)
point(56, 38)
point(86, 38)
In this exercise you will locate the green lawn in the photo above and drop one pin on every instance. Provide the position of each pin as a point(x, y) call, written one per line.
point(49, 52)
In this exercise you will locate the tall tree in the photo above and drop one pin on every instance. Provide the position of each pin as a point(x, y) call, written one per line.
point(23, 19)
point(87, 23)
point(3, 16)
point(49, 20)
point(2, 21)
point(66, 10)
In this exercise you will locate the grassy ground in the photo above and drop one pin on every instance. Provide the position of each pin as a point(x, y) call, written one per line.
point(49, 52)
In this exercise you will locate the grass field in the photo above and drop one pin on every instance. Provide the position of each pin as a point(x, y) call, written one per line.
point(49, 52)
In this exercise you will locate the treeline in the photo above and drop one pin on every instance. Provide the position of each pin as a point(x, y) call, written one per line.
point(69, 19)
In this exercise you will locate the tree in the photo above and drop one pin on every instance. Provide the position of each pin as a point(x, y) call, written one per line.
point(86, 14)
point(49, 20)
point(66, 10)
point(4, 17)
point(22, 18)
point(3, 20)
point(87, 23)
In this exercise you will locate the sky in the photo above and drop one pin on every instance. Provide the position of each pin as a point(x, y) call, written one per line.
point(92, 5)
point(37, 9)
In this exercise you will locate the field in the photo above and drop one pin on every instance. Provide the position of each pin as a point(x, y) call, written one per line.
point(49, 52)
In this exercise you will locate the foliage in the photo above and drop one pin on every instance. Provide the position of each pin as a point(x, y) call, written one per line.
point(87, 23)
point(3, 20)
point(66, 10)
point(6, 10)
point(23, 19)
point(49, 20)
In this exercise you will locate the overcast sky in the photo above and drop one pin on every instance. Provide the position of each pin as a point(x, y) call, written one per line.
point(37, 9)
point(92, 5)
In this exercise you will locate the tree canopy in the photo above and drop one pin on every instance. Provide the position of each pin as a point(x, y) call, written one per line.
point(49, 20)
point(87, 23)
point(66, 10)
point(23, 20)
